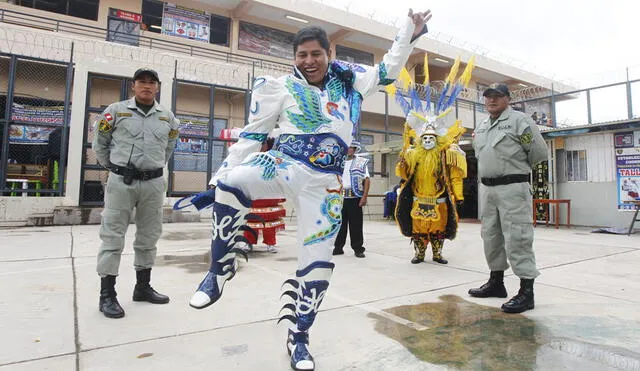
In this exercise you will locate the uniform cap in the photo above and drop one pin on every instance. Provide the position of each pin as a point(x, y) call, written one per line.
point(146, 71)
point(501, 89)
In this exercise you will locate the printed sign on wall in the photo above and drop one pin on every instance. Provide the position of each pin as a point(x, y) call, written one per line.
point(627, 151)
point(185, 22)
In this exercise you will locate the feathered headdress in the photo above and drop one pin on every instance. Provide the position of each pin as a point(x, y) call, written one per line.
point(416, 100)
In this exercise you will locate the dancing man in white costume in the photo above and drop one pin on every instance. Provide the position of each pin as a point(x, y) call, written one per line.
point(317, 109)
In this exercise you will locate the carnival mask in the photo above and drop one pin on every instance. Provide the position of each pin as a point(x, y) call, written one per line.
point(428, 141)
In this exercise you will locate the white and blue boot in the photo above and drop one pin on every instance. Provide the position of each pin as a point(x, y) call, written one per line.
point(307, 292)
point(230, 212)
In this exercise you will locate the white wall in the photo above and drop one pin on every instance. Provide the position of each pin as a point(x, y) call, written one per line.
point(593, 204)
point(601, 162)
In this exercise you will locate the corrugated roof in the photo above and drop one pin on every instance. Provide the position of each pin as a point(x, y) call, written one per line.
point(633, 123)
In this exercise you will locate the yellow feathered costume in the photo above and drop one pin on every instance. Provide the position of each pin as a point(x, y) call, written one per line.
point(432, 178)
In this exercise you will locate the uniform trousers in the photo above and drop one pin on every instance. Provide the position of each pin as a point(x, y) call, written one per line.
point(146, 196)
point(507, 229)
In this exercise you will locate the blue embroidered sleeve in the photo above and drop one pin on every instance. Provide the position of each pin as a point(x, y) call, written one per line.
point(258, 137)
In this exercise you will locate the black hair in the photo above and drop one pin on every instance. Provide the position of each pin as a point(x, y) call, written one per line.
point(310, 34)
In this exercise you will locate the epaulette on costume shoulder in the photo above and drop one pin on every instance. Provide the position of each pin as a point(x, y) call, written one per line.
point(456, 157)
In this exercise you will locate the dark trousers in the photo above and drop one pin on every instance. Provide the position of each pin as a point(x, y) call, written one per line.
point(352, 219)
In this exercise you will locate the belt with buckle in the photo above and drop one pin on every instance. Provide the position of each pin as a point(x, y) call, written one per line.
point(137, 174)
point(348, 193)
point(504, 180)
point(430, 200)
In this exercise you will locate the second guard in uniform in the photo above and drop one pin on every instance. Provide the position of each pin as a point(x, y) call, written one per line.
point(134, 139)
point(507, 144)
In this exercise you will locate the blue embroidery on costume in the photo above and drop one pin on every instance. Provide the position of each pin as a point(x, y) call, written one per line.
point(382, 75)
point(336, 90)
point(355, 102)
point(331, 209)
point(259, 82)
point(290, 144)
point(270, 162)
point(352, 66)
point(343, 72)
point(255, 110)
point(311, 119)
point(258, 137)
point(332, 108)
point(326, 154)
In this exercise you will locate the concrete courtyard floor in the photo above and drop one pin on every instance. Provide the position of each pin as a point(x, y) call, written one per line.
point(380, 313)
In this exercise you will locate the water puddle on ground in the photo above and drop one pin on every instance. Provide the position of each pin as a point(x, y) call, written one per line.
point(191, 263)
point(198, 263)
point(468, 336)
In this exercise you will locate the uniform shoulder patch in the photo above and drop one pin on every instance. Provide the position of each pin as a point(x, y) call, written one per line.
point(173, 134)
point(104, 126)
point(526, 138)
point(123, 114)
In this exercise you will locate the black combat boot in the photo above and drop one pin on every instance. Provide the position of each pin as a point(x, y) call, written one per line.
point(494, 288)
point(523, 301)
point(109, 305)
point(144, 292)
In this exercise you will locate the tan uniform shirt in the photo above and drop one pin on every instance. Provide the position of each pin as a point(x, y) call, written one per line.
point(511, 145)
point(124, 130)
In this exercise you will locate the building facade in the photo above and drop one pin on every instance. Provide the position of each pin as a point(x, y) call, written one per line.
point(62, 62)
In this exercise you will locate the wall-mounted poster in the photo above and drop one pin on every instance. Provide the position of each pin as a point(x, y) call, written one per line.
point(50, 115)
point(29, 134)
point(123, 27)
point(185, 22)
point(627, 151)
point(264, 40)
point(193, 125)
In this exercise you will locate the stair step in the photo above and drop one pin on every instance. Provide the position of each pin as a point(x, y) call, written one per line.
point(40, 220)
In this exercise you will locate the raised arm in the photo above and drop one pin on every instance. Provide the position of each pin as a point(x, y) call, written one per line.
point(368, 79)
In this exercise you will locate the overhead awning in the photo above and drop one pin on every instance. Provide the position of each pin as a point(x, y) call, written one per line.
point(395, 146)
point(390, 147)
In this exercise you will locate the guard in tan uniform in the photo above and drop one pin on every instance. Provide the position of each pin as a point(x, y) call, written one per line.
point(508, 144)
point(134, 139)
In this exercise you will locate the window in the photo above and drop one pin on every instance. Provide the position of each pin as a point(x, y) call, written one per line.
point(152, 15)
point(264, 40)
point(219, 30)
point(354, 55)
point(87, 9)
point(576, 166)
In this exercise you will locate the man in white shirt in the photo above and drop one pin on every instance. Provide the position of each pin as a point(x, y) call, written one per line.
point(355, 188)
